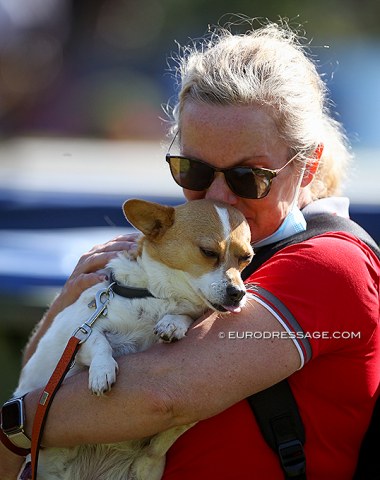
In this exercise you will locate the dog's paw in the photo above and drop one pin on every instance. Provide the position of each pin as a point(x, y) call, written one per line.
point(102, 377)
point(172, 327)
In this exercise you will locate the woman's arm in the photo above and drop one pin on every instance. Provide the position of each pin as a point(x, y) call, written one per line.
point(10, 464)
point(174, 384)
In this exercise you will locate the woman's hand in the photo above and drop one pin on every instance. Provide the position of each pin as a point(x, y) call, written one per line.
point(88, 272)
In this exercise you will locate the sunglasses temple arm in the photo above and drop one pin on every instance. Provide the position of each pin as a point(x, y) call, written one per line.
point(173, 140)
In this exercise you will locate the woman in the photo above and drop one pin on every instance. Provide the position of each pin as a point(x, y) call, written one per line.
point(253, 101)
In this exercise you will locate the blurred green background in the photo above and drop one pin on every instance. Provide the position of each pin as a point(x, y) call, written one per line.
point(99, 67)
point(98, 70)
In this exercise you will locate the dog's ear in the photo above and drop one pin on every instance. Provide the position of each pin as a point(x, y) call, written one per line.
point(152, 219)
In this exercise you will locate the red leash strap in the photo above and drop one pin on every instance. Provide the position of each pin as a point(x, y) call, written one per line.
point(102, 299)
point(47, 396)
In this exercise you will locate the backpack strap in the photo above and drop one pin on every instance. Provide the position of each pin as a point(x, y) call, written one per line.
point(367, 468)
point(316, 225)
point(281, 425)
point(275, 408)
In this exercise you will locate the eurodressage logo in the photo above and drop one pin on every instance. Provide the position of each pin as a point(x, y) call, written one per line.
point(324, 335)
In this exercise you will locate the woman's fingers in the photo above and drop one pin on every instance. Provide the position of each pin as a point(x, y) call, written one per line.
point(98, 257)
point(118, 244)
point(89, 269)
point(77, 284)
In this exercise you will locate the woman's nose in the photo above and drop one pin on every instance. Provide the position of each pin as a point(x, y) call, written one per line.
point(219, 190)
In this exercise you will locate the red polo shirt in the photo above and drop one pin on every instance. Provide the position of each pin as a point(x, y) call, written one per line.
point(325, 291)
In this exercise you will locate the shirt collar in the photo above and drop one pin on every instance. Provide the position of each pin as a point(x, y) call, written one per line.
point(334, 205)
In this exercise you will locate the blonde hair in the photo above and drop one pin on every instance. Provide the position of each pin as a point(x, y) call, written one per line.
point(269, 67)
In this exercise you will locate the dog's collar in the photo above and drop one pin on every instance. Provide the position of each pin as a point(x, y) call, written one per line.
point(129, 292)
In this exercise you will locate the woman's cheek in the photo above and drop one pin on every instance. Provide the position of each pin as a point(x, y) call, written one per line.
point(193, 195)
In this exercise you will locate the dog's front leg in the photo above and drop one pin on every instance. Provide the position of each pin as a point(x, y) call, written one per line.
point(173, 327)
point(96, 352)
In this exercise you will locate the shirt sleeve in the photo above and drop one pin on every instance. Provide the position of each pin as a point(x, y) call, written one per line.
point(324, 292)
point(292, 328)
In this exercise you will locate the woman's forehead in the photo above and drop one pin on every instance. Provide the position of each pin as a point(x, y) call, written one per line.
point(233, 131)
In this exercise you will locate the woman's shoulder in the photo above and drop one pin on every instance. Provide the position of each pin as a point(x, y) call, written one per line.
point(330, 283)
point(333, 267)
point(332, 253)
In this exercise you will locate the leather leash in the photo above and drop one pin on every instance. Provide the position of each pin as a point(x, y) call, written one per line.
point(47, 397)
point(79, 336)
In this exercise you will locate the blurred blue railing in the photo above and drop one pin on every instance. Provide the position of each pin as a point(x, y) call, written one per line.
point(43, 234)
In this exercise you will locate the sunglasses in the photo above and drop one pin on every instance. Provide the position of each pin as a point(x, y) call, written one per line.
point(246, 182)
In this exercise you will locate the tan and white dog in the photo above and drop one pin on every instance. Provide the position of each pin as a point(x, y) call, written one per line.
point(189, 258)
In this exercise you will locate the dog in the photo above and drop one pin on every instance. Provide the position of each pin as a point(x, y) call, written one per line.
point(189, 258)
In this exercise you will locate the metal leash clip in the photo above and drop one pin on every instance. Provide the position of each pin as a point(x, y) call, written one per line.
point(100, 302)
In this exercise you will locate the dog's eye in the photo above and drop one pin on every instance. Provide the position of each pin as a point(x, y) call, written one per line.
point(209, 253)
point(245, 258)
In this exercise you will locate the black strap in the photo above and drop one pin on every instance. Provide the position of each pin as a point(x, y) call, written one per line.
point(275, 408)
point(129, 292)
point(367, 468)
point(316, 225)
point(277, 415)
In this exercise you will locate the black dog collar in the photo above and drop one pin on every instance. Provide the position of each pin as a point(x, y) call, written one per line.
point(129, 292)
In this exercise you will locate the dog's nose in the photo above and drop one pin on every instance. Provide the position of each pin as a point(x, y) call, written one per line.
point(234, 294)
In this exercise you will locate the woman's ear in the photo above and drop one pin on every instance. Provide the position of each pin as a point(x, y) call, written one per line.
point(312, 167)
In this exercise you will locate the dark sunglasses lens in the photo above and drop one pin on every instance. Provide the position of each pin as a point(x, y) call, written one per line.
point(248, 182)
point(191, 174)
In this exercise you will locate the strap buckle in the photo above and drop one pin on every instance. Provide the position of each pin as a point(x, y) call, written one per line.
point(292, 458)
point(82, 332)
point(100, 302)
